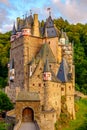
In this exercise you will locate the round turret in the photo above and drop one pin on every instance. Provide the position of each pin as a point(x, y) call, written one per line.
point(62, 39)
point(47, 74)
point(26, 30)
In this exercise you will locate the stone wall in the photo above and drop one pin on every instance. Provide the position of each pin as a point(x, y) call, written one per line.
point(12, 92)
point(48, 120)
point(35, 106)
point(70, 99)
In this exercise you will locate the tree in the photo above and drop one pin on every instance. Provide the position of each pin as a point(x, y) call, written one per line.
point(4, 57)
point(5, 103)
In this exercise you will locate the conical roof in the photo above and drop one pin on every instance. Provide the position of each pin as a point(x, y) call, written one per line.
point(26, 24)
point(62, 34)
point(14, 30)
point(63, 71)
point(30, 19)
point(46, 66)
point(49, 22)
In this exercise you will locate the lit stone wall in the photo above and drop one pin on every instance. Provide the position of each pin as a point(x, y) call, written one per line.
point(35, 106)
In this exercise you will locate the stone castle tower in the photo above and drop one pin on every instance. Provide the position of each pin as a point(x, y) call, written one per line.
point(41, 72)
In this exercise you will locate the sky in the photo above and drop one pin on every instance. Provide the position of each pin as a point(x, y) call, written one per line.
point(75, 11)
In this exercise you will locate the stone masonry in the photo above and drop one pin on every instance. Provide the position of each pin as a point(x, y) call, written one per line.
point(41, 71)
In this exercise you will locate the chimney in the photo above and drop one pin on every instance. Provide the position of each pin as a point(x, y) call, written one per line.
point(36, 26)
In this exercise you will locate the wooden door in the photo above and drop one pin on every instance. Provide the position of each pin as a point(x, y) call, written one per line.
point(27, 115)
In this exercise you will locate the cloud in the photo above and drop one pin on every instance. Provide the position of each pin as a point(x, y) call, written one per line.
point(73, 10)
point(5, 2)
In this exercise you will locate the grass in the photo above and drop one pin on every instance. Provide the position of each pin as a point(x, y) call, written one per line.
point(3, 126)
point(81, 116)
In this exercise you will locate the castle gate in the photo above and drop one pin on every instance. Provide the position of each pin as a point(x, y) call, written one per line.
point(28, 115)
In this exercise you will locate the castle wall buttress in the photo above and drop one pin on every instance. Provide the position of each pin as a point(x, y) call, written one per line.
point(70, 99)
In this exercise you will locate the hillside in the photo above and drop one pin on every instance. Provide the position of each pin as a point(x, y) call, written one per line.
point(81, 116)
point(80, 123)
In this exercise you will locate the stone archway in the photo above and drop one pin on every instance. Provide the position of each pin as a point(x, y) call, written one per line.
point(27, 115)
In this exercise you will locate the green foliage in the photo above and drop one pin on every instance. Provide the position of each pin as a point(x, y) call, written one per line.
point(78, 34)
point(80, 123)
point(5, 103)
point(3, 126)
point(64, 116)
point(4, 57)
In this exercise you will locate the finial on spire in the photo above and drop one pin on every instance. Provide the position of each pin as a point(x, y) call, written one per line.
point(49, 9)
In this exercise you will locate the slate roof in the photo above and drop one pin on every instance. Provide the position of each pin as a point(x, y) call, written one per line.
point(49, 29)
point(28, 96)
point(51, 32)
point(54, 77)
point(46, 66)
point(46, 56)
point(49, 22)
point(63, 71)
point(30, 19)
point(26, 24)
point(46, 53)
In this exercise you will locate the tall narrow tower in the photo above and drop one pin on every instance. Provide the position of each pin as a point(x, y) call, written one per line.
point(36, 26)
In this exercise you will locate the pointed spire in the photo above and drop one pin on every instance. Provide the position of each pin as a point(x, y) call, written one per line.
point(46, 66)
point(47, 72)
point(62, 34)
point(63, 71)
point(26, 23)
point(14, 30)
point(67, 39)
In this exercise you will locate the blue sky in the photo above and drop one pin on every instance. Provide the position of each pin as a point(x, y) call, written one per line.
point(73, 10)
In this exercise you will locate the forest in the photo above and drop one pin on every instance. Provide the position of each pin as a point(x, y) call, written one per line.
point(77, 35)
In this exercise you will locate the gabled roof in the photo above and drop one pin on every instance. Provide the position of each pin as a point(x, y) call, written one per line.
point(63, 71)
point(46, 53)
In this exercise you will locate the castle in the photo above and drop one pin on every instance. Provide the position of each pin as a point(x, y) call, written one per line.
point(41, 72)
